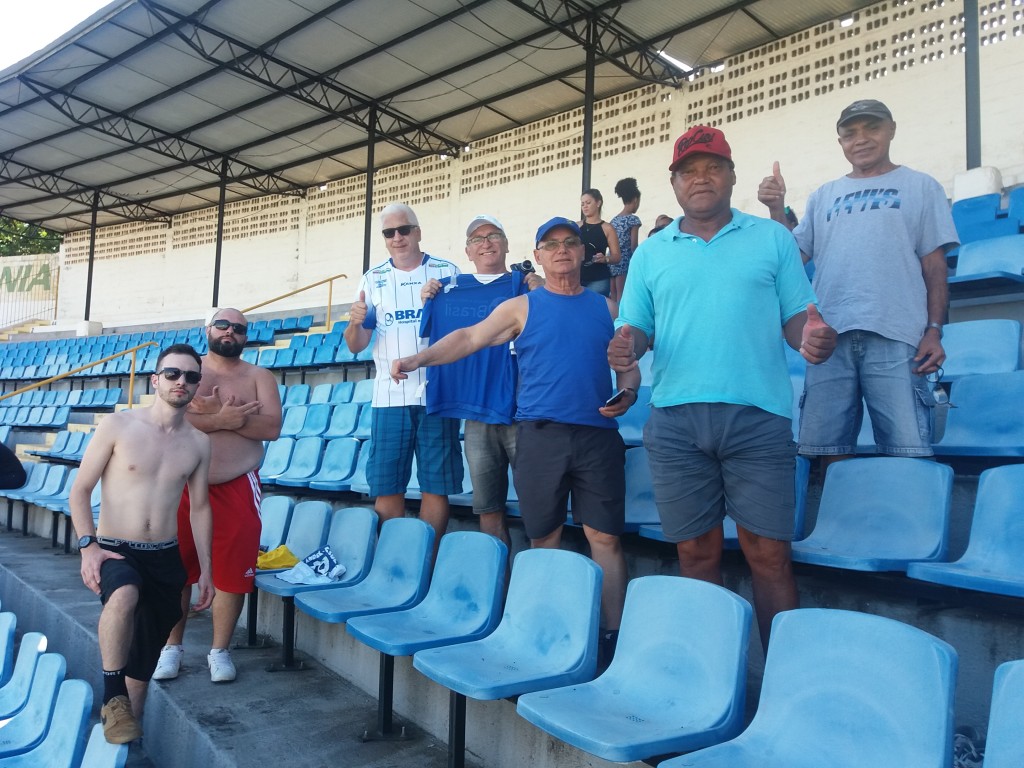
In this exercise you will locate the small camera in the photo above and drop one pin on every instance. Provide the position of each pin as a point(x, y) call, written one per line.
point(526, 267)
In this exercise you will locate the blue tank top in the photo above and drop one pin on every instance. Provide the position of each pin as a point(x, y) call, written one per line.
point(563, 359)
point(482, 386)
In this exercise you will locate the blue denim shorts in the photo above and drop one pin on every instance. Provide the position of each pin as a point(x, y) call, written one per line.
point(866, 369)
point(400, 432)
point(490, 451)
point(709, 458)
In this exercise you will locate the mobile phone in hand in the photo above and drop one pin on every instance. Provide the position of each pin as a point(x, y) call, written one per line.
point(616, 397)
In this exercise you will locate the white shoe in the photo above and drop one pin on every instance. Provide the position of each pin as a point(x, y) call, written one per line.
point(169, 664)
point(222, 669)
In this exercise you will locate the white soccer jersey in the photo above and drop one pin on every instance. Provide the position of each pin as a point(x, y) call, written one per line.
point(393, 300)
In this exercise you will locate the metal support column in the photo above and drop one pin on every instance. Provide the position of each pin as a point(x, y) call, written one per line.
point(92, 255)
point(371, 142)
point(972, 83)
point(220, 230)
point(588, 102)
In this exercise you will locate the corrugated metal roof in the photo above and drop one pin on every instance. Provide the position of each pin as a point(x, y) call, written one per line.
point(145, 105)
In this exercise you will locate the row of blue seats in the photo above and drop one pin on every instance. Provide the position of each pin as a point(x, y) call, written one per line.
point(35, 416)
point(893, 514)
point(677, 680)
point(48, 486)
point(74, 398)
point(989, 267)
point(44, 718)
point(306, 357)
point(327, 420)
point(67, 446)
point(982, 217)
point(342, 392)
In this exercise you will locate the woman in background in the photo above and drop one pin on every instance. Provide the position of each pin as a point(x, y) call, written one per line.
point(600, 243)
point(627, 230)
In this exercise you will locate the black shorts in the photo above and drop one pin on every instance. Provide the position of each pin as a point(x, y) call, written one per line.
point(160, 577)
point(554, 460)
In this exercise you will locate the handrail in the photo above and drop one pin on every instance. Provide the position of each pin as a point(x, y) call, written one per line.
point(58, 377)
point(330, 296)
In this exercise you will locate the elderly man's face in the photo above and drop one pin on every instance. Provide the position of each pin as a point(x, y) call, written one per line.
point(703, 185)
point(403, 248)
point(865, 142)
point(488, 254)
point(556, 255)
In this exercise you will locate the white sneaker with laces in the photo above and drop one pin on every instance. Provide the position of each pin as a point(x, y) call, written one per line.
point(169, 664)
point(222, 669)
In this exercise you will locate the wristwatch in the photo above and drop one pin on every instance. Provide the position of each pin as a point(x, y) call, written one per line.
point(85, 541)
point(937, 327)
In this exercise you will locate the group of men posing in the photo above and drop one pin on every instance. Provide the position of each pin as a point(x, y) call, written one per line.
point(525, 362)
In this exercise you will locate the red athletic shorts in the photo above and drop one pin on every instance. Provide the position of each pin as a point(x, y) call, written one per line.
point(236, 534)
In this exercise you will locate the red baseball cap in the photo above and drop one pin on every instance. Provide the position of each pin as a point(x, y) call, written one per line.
point(700, 139)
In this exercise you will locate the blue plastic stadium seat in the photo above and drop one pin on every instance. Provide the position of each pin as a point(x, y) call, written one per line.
point(547, 638)
point(304, 463)
point(285, 358)
point(296, 394)
point(397, 579)
point(980, 217)
point(297, 341)
point(631, 423)
point(342, 355)
point(8, 622)
point(987, 420)
point(293, 419)
point(363, 391)
point(364, 429)
point(323, 355)
point(1004, 747)
point(251, 355)
point(268, 358)
point(640, 507)
point(318, 418)
point(352, 535)
point(321, 393)
point(275, 514)
point(989, 266)
point(99, 753)
point(880, 514)
point(338, 465)
point(60, 441)
point(980, 347)
point(462, 604)
point(677, 681)
point(63, 745)
point(276, 458)
point(303, 358)
point(994, 560)
point(26, 728)
point(344, 420)
point(845, 690)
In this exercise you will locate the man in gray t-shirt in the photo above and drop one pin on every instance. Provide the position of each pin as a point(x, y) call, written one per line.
point(878, 237)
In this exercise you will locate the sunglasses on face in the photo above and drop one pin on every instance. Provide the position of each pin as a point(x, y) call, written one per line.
point(173, 374)
point(222, 325)
point(403, 230)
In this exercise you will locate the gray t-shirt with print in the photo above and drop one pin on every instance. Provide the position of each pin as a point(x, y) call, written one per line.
point(867, 237)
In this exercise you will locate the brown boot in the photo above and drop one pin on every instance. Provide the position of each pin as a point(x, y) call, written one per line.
point(119, 724)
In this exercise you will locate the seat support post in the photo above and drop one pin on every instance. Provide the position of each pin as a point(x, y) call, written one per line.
point(456, 730)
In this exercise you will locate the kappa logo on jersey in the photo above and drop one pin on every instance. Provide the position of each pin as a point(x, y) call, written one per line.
point(411, 282)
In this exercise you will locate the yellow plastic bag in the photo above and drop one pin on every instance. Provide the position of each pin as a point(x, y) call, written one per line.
point(279, 557)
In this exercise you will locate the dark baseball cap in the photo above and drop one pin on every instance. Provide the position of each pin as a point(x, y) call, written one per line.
point(864, 108)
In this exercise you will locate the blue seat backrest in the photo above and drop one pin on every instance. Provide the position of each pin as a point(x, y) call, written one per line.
point(99, 753)
point(342, 392)
point(293, 419)
point(8, 622)
point(879, 513)
point(352, 538)
point(318, 417)
point(344, 419)
point(321, 393)
point(25, 728)
point(1004, 747)
point(306, 456)
point(307, 531)
point(64, 743)
point(277, 456)
point(275, 514)
point(340, 457)
point(296, 394)
point(856, 674)
point(997, 529)
point(981, 346)
point(987, 420)
point(996, 254)
point(363, 391)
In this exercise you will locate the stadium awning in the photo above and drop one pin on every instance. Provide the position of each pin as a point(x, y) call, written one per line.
point(151, 108)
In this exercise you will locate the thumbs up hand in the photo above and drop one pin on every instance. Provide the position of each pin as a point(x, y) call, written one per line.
point(621, 353)
point(357, 312)
point(818, 338)
point(772, 192)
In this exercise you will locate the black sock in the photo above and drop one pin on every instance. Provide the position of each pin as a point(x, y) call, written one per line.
point(114, 684)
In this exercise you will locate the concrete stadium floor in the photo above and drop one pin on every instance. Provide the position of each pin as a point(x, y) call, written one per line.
point(307, 719)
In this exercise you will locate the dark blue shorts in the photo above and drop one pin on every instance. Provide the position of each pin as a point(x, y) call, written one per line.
point(405, 431)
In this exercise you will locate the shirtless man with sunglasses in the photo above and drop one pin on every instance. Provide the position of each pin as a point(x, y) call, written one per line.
point(238, 407)
point(145, 457)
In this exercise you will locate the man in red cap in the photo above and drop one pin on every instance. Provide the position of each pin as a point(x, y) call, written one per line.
point(716, 291)
point(878, 237)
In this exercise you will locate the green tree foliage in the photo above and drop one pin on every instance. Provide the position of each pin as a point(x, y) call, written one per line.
point(17, 238)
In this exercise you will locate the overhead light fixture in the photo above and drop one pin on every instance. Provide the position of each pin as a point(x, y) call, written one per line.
point(847, 22)
point(322, 187)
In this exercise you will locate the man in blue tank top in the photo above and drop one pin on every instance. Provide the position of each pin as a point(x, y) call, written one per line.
point(480, 388)
point(718, 290)
point(567, 438)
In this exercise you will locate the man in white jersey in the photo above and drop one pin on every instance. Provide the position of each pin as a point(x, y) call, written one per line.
point(878, 237)
point(389, 303)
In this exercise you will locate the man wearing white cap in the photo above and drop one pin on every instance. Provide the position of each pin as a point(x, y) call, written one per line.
point(482, 387)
